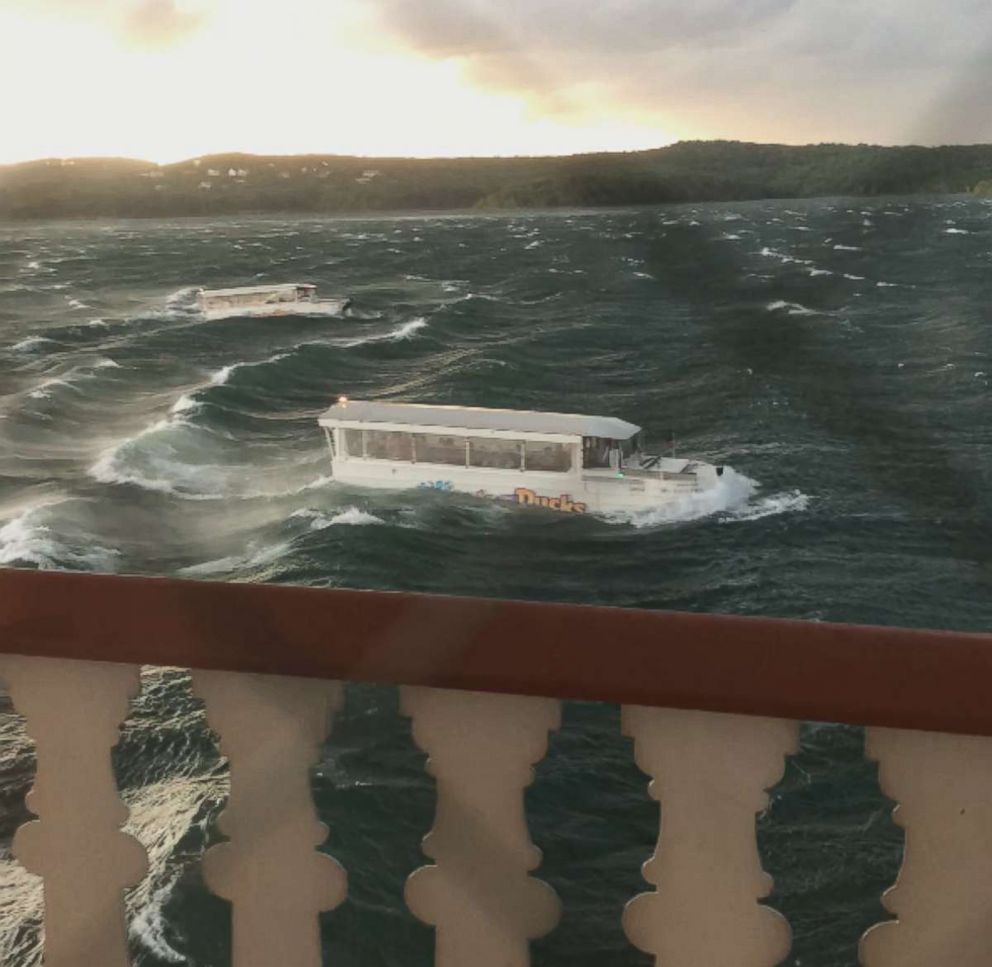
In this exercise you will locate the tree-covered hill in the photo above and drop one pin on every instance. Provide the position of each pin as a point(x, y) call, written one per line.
point(688, 171)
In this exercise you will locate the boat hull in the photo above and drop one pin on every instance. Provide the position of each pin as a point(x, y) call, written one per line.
point(569, 493)
point(324, 308)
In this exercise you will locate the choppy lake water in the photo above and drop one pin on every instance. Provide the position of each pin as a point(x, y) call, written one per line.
point(835, 353)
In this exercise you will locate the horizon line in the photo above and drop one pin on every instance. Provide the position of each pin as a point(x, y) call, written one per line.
point(487, 157)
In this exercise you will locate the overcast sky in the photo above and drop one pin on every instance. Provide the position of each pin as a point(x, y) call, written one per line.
point(166, 79)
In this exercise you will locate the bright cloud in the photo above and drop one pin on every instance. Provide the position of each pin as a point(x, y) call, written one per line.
point(166, 79)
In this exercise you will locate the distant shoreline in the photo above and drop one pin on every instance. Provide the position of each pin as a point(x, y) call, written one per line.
point(332, 185)
point(419, 213)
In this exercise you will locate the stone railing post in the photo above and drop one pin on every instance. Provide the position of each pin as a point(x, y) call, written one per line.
point(478, 895)
point(73, 711)
point(710, 774)
point(943, 897)
point(271, 730)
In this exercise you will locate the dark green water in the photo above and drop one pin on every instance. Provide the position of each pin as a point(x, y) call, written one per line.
point(834, 353)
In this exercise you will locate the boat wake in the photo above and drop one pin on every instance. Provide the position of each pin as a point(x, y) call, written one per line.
point(784, 503)
point(731, 501)
point(732, 491)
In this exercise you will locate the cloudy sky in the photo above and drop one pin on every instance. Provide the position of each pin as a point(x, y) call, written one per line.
point(170, 79)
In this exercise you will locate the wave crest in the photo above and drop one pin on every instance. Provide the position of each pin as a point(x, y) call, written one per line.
point(35, 537)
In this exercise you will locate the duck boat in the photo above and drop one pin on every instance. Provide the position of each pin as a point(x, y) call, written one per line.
point(564, 462)
point(291, 299)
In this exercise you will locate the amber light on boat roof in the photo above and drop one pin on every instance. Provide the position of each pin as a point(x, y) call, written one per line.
point(480, 418)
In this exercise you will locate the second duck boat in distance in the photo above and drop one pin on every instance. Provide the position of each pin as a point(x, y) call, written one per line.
point(290, 299)
point(562, 461)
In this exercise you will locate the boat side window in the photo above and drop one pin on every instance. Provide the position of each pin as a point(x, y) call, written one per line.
point(630, 446)
point(435, 448)
point(494, 453)
point(388, 445)
point(596, 452)
point(547, 456)
point(353, 443)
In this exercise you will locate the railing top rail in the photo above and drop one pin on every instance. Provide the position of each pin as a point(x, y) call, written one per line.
point(932, 680)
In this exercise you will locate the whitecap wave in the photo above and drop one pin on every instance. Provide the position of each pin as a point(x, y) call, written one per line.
point(70, 379)
point(34, 537)
point(791, 308)
point(771, 253)
point(398, 334)
point(175, 456)
point(222, 375)
point(44, 390)
point(190, 401)
point(956, 231)
point(847, 248)
point(161, 815)
point(149, 460)
point(31, 344)
point(185, 404)
point(237, 563)
point(352, 516)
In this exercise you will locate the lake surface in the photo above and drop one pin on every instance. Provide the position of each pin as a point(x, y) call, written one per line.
point(837, 354)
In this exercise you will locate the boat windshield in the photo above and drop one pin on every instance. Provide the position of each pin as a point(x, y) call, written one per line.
point(604, 453)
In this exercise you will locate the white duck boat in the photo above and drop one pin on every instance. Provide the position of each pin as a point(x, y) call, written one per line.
point(562, 461)
point(291, 299)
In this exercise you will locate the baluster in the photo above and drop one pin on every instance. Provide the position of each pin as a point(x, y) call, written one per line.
point(478, 895)
point(710, 773)
point(271, 730)
point(943, 786)
point(73, 711)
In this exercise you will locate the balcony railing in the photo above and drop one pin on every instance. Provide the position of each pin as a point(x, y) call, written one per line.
point(712, 705)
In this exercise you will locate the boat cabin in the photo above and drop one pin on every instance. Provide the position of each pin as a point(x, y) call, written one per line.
point(256, 295)
point(473, 438)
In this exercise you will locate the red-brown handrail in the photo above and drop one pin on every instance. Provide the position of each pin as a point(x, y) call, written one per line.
point(933, 680)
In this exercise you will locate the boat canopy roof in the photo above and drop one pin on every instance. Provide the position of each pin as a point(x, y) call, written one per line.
point(257, 289)
point(480, 418)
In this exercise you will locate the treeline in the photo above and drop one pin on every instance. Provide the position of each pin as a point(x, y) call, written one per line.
point(688, 171)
